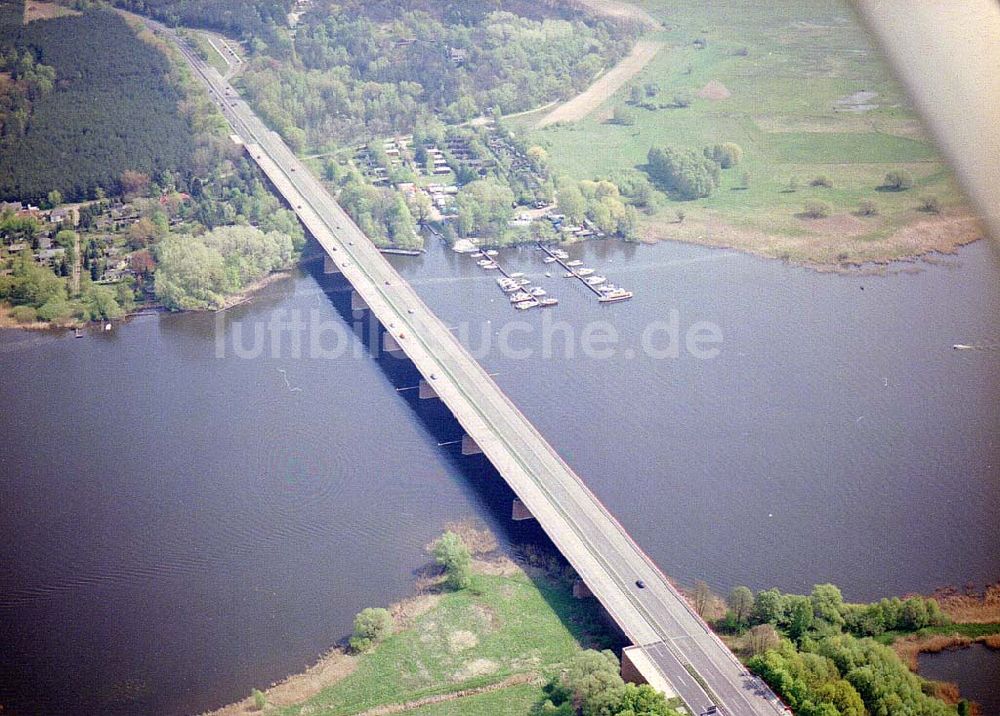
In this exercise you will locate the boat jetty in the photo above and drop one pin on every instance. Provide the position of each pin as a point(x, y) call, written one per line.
point(518, 289)
point(605, 292)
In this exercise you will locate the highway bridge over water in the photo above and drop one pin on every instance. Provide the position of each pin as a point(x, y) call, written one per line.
point(674, 649)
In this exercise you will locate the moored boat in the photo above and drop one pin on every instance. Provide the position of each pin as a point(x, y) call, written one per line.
point(519, 296)
point(538, 291)
point(574, 262)
point(619, 294)
point(584, 271)
point(595, 280)
point(524, 305)
point(548, 302)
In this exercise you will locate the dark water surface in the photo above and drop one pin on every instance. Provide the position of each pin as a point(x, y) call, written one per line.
point(178, 527)
point(976, 669)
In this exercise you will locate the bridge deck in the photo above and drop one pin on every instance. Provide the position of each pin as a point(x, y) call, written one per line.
point(656, 618)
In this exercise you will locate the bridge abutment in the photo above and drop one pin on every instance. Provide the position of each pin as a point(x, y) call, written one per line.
point(638, 668)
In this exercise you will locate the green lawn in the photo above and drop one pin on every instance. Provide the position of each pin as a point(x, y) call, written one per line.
point(504, 625)
point(803, 60)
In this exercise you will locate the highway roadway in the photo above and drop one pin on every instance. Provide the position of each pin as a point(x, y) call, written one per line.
point(699, 668)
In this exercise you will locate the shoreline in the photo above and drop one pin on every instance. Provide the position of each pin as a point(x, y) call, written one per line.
point(338, 662)
point(965, 229)
point(241, 297)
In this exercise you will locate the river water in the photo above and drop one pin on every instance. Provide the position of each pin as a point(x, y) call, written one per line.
point(194, 505)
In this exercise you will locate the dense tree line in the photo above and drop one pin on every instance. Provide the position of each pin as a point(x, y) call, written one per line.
point(841, 675)
point(112, 109)
point(817, 653)
point(356, 75)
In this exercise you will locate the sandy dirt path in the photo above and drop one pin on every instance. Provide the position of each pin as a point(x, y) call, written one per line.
point(609, 83)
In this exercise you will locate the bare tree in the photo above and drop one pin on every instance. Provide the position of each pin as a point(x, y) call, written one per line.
point(702, 597)
point(761, 638)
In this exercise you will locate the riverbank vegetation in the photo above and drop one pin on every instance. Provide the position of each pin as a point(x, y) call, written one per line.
point(800, 88)
point(198, 272)
point(825, 656)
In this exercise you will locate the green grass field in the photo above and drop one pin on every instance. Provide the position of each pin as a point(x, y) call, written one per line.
point(503, 626)
point(793, 108)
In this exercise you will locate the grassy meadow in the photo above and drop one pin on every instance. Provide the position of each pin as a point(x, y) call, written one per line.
point(793, 70)
point(507, 630)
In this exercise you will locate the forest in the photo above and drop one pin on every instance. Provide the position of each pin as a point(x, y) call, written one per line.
point(355, 76)
point(69, 141)
point(259, 21)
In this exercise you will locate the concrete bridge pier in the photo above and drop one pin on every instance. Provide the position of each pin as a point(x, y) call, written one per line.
point(469, 446)
point(425, 391)
point(519, 511)
point(390, 344)
point(358, 303)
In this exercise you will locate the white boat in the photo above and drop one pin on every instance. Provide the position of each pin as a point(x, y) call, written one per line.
point(491, 252)
point(504, 280)
point(520, 296)
point(560, 254)
point(538, 291)
point(548, 274)
point(523, 281)
point(486, 264)
point(595, 280)
point(616, 295)
point(549, 260)
point(607, 288)
point(477, 254)
point(516, 274)
point(574, 262)
point(584, 271)
point(547, 302)
point(524, 305)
